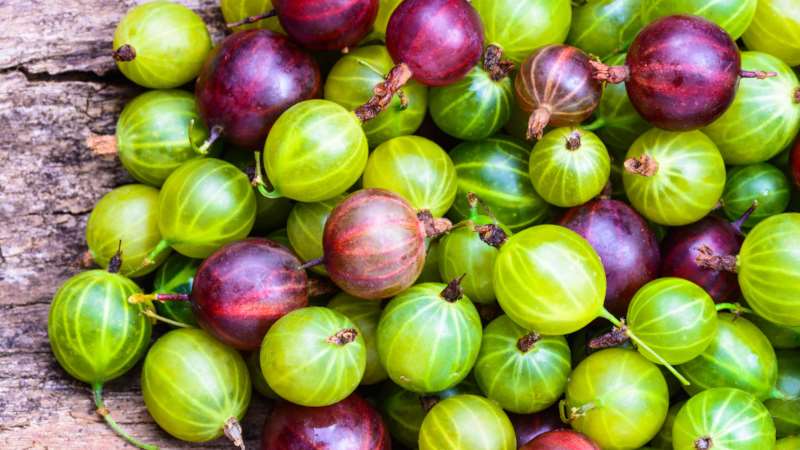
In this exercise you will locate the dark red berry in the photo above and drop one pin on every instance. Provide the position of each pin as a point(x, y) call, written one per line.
point(561, 440)
point(326, 25)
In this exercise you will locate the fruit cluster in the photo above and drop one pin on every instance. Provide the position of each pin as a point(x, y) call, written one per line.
point(631, 281)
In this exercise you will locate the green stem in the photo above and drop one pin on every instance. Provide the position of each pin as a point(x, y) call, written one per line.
point(97, 390)
point(595, 124)
point(259, 183)
point(604, 313)
point(213, 135)
point(776, 394)
point(734, 308)
point(162, 246)
point(562, 410)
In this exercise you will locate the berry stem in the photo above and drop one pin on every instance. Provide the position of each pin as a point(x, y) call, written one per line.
point(97, 391)
point(538, 121)
point(735, 308)
point(115, 264)
point(252, 19)
point(213, 135)
point(162, 246)
point(494, 64)
point(604, 313)
point(745, 216)
point(311, 263)
point(760, 74)
point(259, 183)
point(383, 93)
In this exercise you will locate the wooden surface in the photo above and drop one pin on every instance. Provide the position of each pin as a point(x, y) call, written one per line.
point(59, 87)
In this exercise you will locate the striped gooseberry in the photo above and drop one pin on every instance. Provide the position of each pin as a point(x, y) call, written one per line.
point(347, 425)
point(788, 443)
point(176, 276)
point(605, 28)
point(780, 336)
point(466, 422)
point(429, 337)
point(794, 163)
point(739, 356)
point(196, 388)
point(316, 150)
point(519, 27)
point(549, 279)
point(204, 204)
point(351, 82)
point(773, 104)
point(555, 85)
point(521, 370)
point(761, 184)
point(374, 243)
point(157, 132)
point(430, 270)
point(126, 220)
point(768, 271)
point(463, 250)
point(404, 410)
point(305, 226)
point(257, 376)
point(663, 439)
point(675, 318)
point(161, 44)
point(96, 335)
point(365, 315)
point(439, 41)
point(674, 178)
point(620, 123)
point(313, 356)
point(238, 10)
point(561, 440)
point(625, 243)
point(617, 398)
point(569, 166)
point(496, 170)
point(474, 107)
point(785, 409)
point(385, 10)
point(723, 418)
point(417, 169)
point(248, 81)
point(775, 26)
point(734, 16)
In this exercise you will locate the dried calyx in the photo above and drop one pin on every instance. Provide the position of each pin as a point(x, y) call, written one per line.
point(615, 337)
point(644, 165)
point(453, 291)
point(525, 343)
point(383, 93)
point(494, 64)
point(233, 431)
point(492, 235)
point(538, 121)
point(704, 443)
point(125, 53)
point(573, 140)
point(344, 337)
point(434, 226)
point(609, 74)
point(706, 259)
point(251, 19)
point(115, 264)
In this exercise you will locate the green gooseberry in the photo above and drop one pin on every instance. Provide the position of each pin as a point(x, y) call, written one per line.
point(352, 80)
point(205, 204)
point(605, 27)
point(96, 335)
point(740, 356)
point(429, 337)
point(617, 398)
point(549, 279)
point(663, 440)
point(466, 422)
point(724, 419)
point(569, 166)
point(304, 228)
point(764, 117)
point(785, 410)
point(365, 315)
point(733, 16)
point(788, 443)
point(676, 319)
point(404, 410)
point(769, 274)
point(462, 251)
point(417, 169)
point(522, 370)
point(385, 10)
point(157, 132)
point(430, 271)
point(313, 356)
point(519, 27)
point(196, 388)
point(674, 178)
point(473, 108)
point(496, 170)
point(161, 44)
point(281, 236)
point(257, 376)
point(761, 184)
point(237, 10)
point(775, 29)
point(271, 213)
point(517, 125)
point(176, 276)
point(315, 151)
point(621, 123)
point(781, 337)
point(126, 219)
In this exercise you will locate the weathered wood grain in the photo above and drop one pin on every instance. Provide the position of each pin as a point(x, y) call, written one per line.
point(58, 87)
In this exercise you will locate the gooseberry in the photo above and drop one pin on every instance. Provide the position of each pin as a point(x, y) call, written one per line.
point(785, 409)
point(605, 27)
point(763, 185)
point(365, 315)
point(466, 422)
point(561, 440)
point(734, 16)
point(774, 29)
